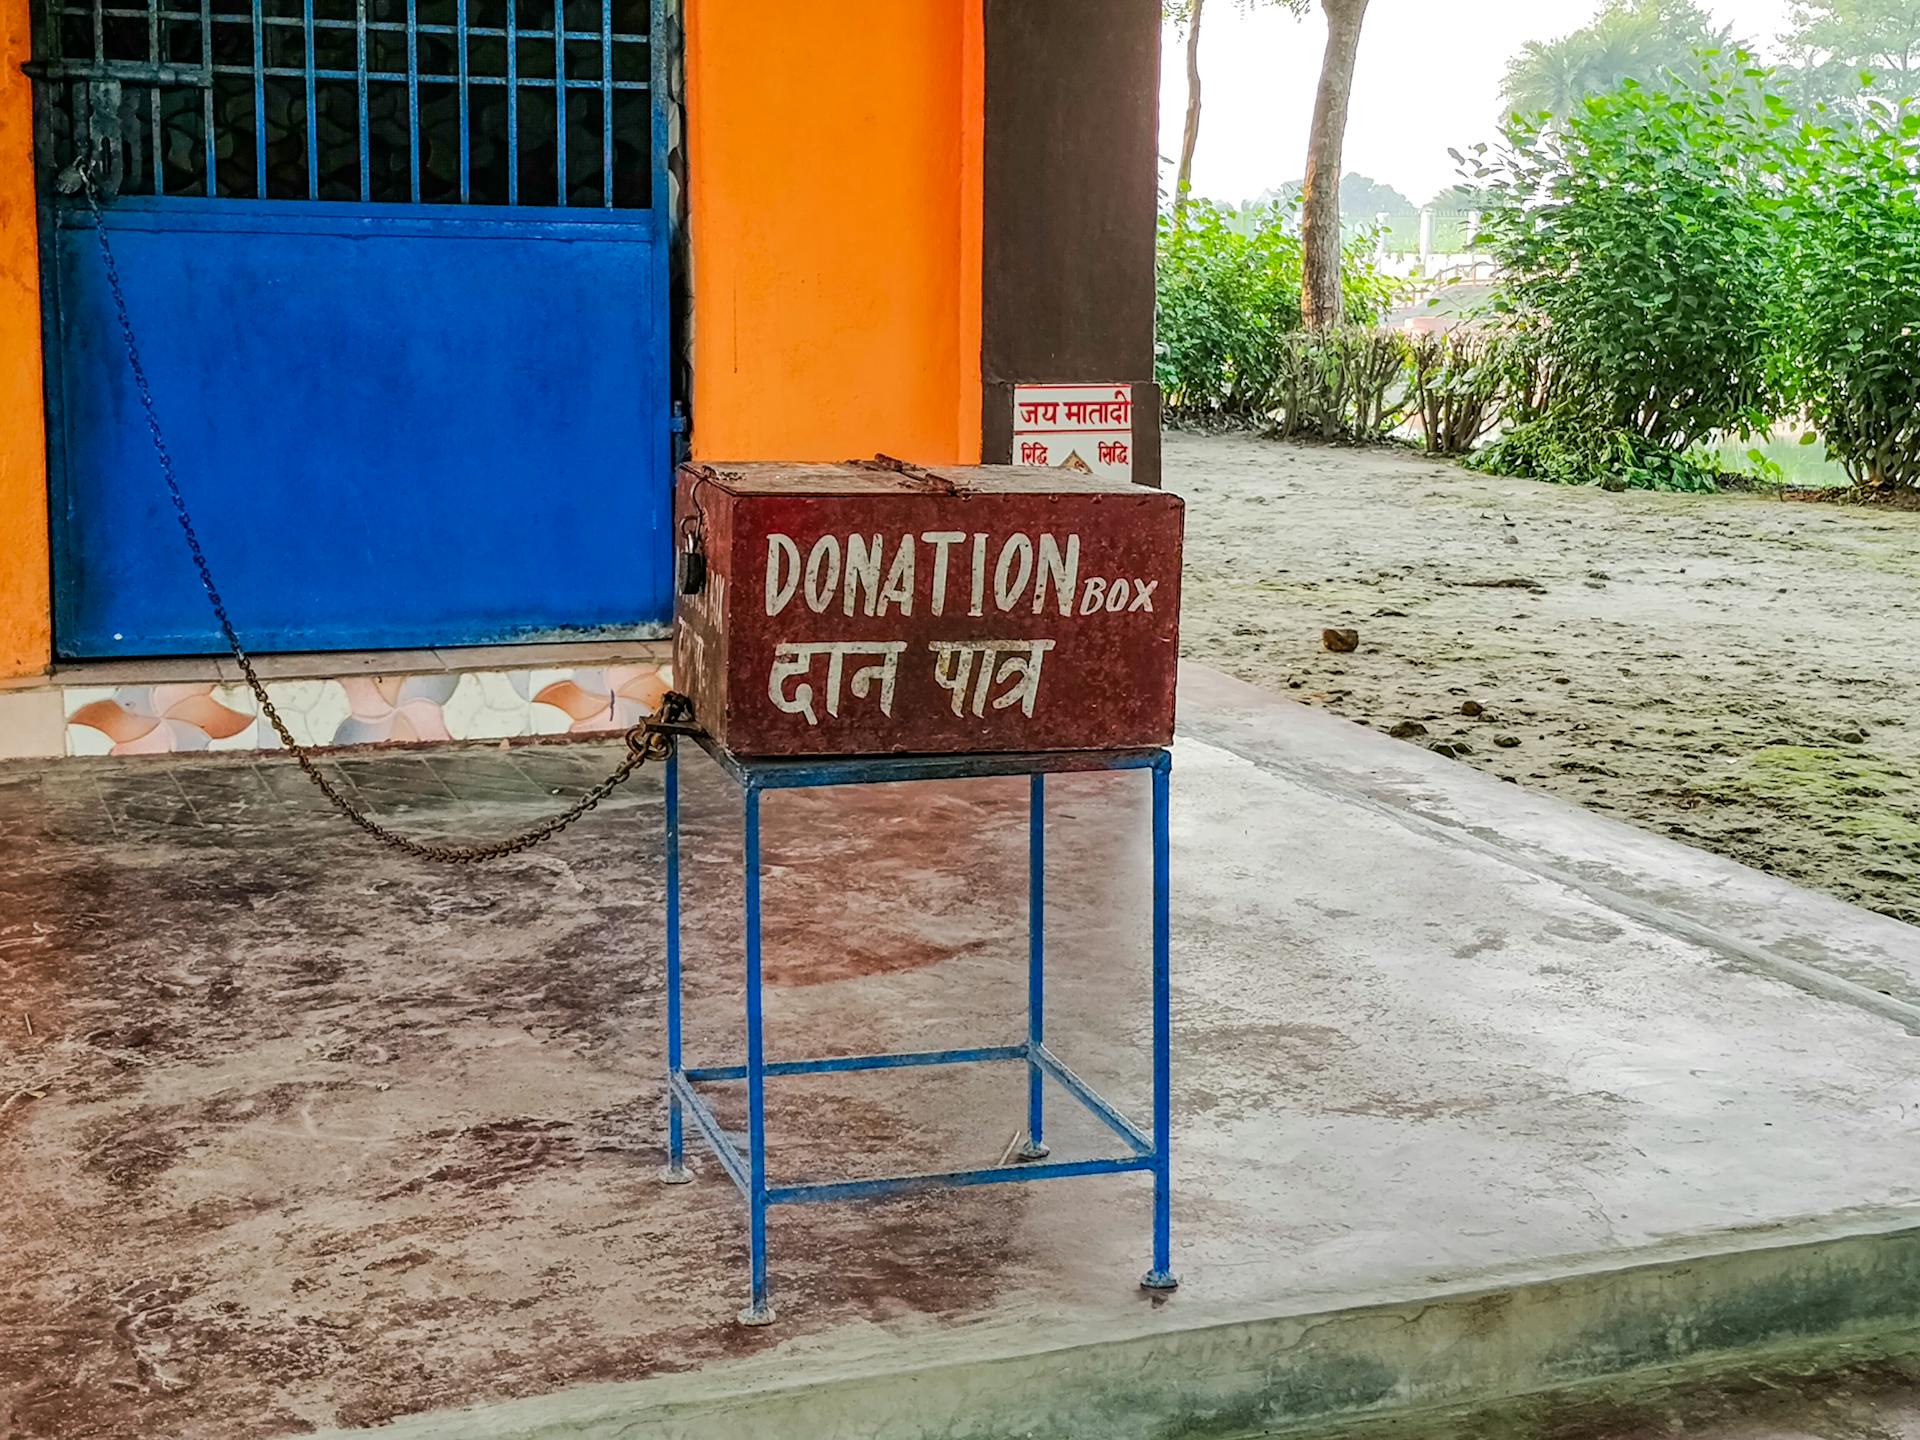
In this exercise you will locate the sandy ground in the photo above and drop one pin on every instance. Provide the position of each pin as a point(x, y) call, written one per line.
point(1740, 673)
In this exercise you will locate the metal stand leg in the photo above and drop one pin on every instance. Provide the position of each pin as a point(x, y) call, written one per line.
point(746, 1165)
point(676, 1172)
point(1036, 1146)
point(760, 1312)
point(1161, 1277)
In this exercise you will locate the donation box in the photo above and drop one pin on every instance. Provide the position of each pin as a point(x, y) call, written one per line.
point(875, 608)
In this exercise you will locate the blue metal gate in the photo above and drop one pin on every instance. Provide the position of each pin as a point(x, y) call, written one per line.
point(400, 273)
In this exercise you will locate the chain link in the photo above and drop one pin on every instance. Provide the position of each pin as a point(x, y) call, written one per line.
point(646, 741)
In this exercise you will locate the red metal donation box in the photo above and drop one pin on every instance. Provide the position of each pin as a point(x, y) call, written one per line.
point(871, 609)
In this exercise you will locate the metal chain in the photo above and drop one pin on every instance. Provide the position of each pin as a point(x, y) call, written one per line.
point(646, 741)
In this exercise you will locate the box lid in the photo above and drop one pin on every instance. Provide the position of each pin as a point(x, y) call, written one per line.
point(884, 477)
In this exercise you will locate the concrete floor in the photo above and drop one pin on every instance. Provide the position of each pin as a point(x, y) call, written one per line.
point(1476, 1094)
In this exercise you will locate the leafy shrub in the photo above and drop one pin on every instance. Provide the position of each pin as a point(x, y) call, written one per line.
point(1639, 244)
point(1225, 296)
point(1529, 371)
point(1349, 384)
point(1566, 448)
point(1459, 378)
point(1686, 261)
point(1367, 292)
point(1851, 312)
point(1228, 296)
point(1763, 470)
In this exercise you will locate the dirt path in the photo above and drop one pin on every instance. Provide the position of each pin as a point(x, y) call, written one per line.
point(1739, 673)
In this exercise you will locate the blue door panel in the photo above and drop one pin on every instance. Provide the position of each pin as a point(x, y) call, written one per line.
point(394, 429)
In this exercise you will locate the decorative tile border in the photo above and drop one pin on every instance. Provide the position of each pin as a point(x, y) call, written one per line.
point(363, 710)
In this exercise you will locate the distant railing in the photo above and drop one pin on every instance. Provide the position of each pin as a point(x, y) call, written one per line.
point(1430, 244)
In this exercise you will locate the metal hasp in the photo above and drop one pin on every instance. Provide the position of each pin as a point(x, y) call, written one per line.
point(748, 1168)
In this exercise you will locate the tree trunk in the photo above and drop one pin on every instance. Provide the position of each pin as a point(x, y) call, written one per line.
point(1320, 303)
point(1190, 138)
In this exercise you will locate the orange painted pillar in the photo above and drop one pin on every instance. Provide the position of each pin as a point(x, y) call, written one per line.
point(26, 628)
point(835, 154)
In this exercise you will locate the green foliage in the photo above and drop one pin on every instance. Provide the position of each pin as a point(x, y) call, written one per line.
point(1348, 384)
point(1227, 292)
point(1837, 43)
point(1850, 314)
point(1568, 449)
point(1458, 378)
point(1228, 296)
point(1627, 40)
point(1529, 371)
point(1685, 264)
point(1782, 459)
point(1638, 241)
point(1762, 468)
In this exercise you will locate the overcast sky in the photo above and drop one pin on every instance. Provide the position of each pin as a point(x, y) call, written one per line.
point(1429, 78)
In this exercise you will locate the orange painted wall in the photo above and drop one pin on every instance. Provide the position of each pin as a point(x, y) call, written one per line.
point(835, 149)
point(26, 635)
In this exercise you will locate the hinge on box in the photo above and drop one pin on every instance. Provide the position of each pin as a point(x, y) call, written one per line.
point(677, 428)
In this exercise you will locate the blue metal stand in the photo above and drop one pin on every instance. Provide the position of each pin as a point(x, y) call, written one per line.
point(748, 1169)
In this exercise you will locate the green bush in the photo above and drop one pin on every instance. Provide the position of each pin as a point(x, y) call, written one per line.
point(1565, 448)
point(1686, 262)
point(1638, 240)
point(1529, 371)
point(1349, 384)
point(1228, 298)
point(1459, 379)
point(1851, 310)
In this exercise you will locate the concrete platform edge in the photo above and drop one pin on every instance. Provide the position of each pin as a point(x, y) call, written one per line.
point(1228, 1377)
point(1758, 922)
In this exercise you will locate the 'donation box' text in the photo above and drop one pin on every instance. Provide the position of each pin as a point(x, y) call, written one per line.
point(846, 610)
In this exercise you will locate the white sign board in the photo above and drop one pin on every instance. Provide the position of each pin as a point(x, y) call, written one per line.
point(1088, 428)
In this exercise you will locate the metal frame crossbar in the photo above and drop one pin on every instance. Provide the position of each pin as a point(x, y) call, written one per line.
point(747, 1167)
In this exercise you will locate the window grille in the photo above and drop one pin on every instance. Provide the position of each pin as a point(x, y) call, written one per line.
point(454, 102)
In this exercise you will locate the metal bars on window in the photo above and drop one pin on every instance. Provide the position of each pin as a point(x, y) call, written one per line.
point(470, 102)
